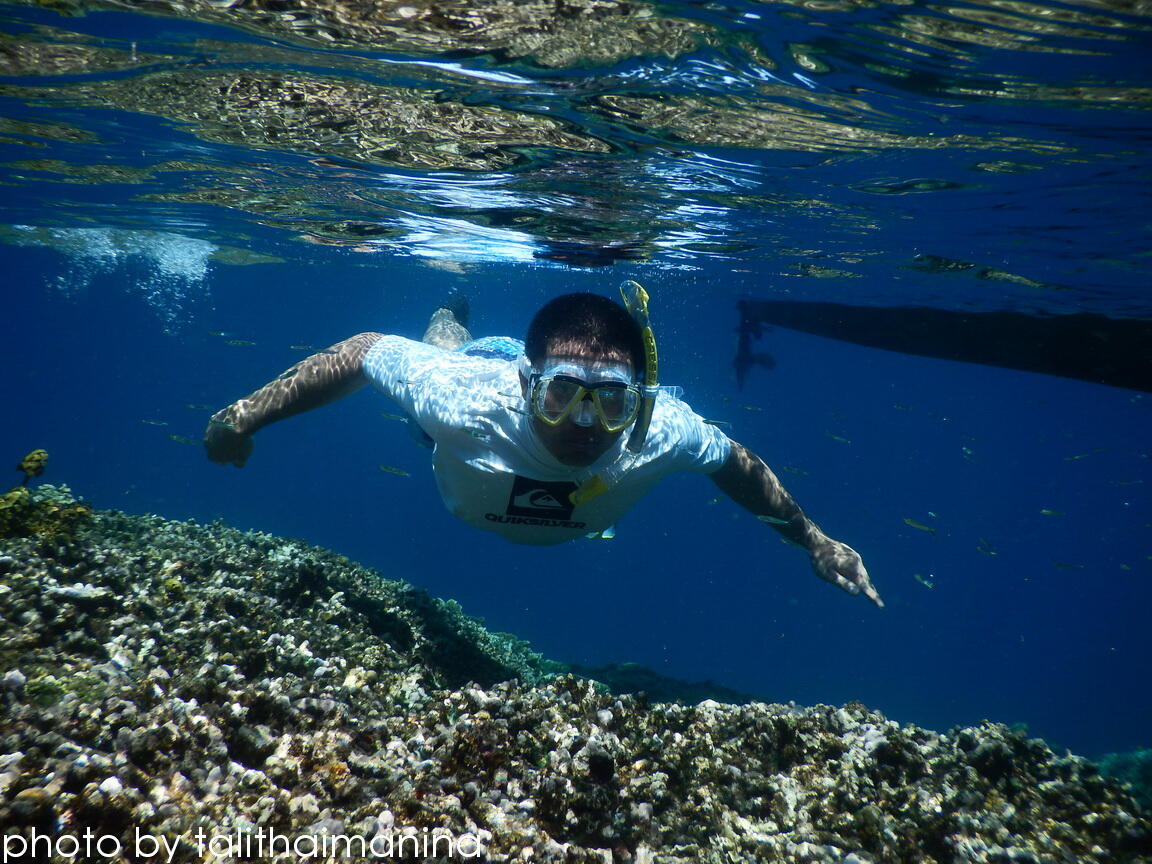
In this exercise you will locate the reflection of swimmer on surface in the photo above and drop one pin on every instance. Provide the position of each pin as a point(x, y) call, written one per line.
point(545, 440)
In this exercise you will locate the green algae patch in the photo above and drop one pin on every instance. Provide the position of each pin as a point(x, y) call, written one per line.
point(52, 517)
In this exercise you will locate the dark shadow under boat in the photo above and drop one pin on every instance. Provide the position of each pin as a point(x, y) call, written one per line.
point(1086, 346)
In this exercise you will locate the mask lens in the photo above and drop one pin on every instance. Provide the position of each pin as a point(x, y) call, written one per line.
point(617, 406)
point(554, 398)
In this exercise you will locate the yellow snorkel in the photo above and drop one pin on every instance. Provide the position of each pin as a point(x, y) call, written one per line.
point(636, 302)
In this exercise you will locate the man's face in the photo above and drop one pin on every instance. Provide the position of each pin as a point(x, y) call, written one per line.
point(571, 443)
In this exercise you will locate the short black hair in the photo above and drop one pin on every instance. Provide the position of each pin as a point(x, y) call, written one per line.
point(595, 322)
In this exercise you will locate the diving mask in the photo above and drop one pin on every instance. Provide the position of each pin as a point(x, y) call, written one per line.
point(585, 395)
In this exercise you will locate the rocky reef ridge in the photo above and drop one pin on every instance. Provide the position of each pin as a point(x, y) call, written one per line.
point(199, 687)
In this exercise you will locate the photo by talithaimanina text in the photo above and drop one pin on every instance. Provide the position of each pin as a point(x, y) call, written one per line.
point(259, 843)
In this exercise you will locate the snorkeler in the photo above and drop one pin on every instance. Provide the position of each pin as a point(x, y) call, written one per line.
point(545, 440)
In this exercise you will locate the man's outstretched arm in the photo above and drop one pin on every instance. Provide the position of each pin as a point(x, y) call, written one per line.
point(316, 380)
point(751, 484)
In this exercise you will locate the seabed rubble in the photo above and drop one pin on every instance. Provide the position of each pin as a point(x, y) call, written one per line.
point(165, 678)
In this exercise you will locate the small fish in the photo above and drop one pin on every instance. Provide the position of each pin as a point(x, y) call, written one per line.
point(1064, 566)
point(219, 334)
point(193, 406)
point(719, 424)
point(182, 439)
point(154, 422)
point(302, 347)
point(1080, 456)
point(290, 373)
point(927, 583)
point(399, 417)
point(900, 407)
point(1125, 567)
point(839, 438)
point(969, 453)
point(772, 520)
point(390, 470)
point(985, 547)
point(239, 343)
point(607, 534)
point(1047, 512)
point(714, 501)
point(919, 526)
point(751, 407)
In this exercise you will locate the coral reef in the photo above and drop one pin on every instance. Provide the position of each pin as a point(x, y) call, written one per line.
point(1133, 768)
point(33, 465)
point(171, 678)
point(51, 513)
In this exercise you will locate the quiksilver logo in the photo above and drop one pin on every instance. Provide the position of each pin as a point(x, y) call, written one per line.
point(543, 499)
point(534, 520)
point(538, 498)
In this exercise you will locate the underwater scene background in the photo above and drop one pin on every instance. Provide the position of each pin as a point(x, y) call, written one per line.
point(197, 195)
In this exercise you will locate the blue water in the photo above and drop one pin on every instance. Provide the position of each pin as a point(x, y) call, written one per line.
point(124, 292)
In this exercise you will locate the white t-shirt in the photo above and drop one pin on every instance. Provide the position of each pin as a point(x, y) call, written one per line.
point(491, 468)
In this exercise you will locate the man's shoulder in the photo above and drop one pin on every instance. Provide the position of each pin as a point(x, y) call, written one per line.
point(388, 350)
point(672, 409)
point(419, 360)
point(447, 392)
point(678, 431)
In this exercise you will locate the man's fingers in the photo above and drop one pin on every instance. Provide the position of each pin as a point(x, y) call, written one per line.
point(872, 594)
point(225, 446)
point(841, 565)
point(855, 580)
point(864, 583)
point(846, 584)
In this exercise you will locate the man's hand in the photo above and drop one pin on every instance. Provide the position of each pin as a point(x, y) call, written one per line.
point(224, 444)
point(841, 565)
